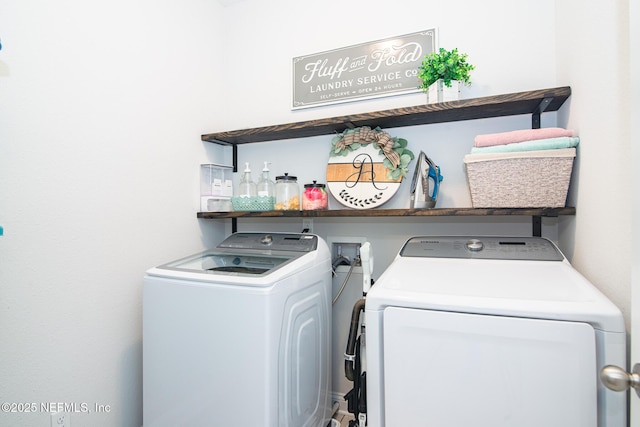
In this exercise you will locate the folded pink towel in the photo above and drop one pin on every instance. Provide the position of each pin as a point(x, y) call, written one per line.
point(503, 138)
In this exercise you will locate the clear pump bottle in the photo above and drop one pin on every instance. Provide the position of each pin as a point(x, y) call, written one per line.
point(266, 187)
point(247, 187)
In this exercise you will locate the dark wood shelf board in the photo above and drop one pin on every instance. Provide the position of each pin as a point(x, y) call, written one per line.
point(464, 109)
point(531, 102)
point(542, 212)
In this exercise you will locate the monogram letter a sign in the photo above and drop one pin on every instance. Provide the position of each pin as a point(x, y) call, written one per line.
point(366, 167)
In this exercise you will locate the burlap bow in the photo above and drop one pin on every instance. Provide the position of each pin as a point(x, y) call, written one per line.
point(366, 135)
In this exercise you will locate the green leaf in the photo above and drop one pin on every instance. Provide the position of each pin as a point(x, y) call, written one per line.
point(445, 65)
point(394, 174)
point(409, 153)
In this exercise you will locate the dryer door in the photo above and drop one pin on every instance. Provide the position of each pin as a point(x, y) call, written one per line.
point(456, 369)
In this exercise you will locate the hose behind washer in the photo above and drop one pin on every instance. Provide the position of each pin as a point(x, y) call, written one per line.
point(344, 284)
point(349, 353)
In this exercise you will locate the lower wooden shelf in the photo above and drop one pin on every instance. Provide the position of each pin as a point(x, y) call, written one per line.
point(535, 212)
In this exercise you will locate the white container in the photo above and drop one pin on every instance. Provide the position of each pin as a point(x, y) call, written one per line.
point(438, 92)
point(216, 187)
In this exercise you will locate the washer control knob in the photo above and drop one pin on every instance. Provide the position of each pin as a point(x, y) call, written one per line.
point(267, 239)
point(475, 245)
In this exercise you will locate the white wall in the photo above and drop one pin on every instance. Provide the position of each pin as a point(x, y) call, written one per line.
point(503, 39)
point(101, 109)
point(598, 238)
point(269, 35)
point(551, 43)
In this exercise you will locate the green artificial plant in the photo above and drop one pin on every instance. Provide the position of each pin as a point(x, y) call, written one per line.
point(447, 65)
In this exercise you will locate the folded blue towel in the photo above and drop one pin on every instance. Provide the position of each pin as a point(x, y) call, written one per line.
point(538, 144)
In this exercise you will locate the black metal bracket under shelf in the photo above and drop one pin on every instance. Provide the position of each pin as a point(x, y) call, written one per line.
point(234, 158)
point(536, 223)
point(535, 116)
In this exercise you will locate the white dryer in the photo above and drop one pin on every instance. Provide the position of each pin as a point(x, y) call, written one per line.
point(240, 335)
point(490, 332)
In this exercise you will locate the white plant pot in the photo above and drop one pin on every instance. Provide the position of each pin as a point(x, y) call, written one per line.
point(438, 92)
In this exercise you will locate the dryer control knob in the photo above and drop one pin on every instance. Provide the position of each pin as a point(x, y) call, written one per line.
point(267, 239)
point(475, 245)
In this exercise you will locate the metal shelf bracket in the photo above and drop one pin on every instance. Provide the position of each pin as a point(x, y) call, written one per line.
point(535, 116)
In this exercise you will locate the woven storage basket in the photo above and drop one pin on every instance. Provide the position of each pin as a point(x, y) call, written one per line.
point(526, 179)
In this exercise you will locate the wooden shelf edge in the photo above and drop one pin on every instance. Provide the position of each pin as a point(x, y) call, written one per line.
point(332, 213)
point(527, 102)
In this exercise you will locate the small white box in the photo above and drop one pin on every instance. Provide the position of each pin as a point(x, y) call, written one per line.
point(215, 204)
point(216, 180)
point(438, 92)
point(216, 187)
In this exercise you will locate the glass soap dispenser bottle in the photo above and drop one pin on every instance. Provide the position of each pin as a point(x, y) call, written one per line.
point(266, 189)
point(247, 187)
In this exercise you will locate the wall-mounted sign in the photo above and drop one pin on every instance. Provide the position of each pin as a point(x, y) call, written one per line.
point(366, 167)
point(369, 70)
point(359, 180)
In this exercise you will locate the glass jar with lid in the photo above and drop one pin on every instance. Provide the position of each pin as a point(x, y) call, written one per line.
point(314, 197)
point(287, 193)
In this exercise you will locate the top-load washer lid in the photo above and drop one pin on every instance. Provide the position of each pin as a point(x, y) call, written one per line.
point(522, 277)
point(248, 254)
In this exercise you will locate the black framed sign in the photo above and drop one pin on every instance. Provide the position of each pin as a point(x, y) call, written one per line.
point(368, 70)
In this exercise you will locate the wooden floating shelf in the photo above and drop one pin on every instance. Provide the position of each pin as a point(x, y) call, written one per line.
point(332, 213)
point(533, 102)
point(530, 102)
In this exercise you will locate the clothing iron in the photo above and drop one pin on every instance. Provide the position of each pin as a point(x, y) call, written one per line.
point(425, 177)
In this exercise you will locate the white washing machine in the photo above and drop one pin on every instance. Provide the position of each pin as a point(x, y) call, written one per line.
point(490, 332)
point(240, 335)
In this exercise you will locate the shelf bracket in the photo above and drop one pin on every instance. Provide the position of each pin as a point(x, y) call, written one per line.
point(234, 157)
point(535, 116)
point(536, 222)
